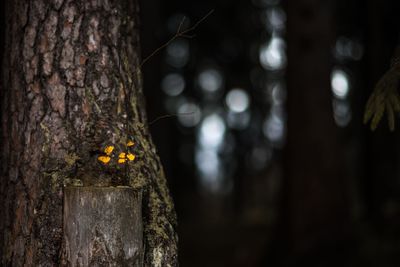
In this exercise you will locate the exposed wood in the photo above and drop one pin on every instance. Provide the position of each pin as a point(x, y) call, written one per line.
point(102, 226)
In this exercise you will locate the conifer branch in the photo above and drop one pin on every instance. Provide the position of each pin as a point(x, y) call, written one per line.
point(385, 98)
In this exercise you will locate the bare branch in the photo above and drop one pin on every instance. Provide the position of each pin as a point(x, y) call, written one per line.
point(170, 116)
point(198, 22)
point(179, 33)
point(181, 24)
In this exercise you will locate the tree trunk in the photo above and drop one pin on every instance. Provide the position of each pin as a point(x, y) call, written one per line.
point(71, 88)
point(316, 207)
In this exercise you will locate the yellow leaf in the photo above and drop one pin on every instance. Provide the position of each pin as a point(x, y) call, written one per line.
point(131, 157)
point(109, 149)
point(104, 159)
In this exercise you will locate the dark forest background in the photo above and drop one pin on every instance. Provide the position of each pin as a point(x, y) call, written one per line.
point(285, 174)
point(267, 158)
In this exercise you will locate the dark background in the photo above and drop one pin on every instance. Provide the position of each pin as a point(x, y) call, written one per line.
point(294, 177)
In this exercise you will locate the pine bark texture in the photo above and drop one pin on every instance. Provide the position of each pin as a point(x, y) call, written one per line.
point(72, 86)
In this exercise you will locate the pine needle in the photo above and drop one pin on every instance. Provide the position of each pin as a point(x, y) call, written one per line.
point(395, 101)
point(369, 108)
point(390, 115)
point(379, 110)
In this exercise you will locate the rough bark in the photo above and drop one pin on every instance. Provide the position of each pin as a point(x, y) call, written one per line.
point(72, 86)
point(316, 203)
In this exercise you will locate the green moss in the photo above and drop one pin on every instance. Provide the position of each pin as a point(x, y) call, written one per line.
point(71, 159)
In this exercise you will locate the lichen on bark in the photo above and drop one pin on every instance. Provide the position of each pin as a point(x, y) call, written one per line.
point(71, 86)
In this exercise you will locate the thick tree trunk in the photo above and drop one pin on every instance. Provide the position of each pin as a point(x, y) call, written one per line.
point(71, 87)
point(316, 207)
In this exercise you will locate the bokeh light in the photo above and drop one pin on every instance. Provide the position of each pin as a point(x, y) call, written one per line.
point(189, 114)
point(173, 84)
point(272, 54)
point(210, 80)
point(178, 53)
point(212, 131)
point(237, 100)
point(340, 83)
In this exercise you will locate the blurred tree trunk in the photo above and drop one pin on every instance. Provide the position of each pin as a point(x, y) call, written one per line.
point(315, 189)
point(72, 86)
point(381, 145)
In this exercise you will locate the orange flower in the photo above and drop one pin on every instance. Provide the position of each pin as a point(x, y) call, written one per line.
point(108, 150)
point(104, 159)
point(131, 157)
point(121, 161)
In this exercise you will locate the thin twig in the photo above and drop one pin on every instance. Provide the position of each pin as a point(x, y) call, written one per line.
point(181, 24)
point(179, 33)
point(198, 22)
point(170, 116)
